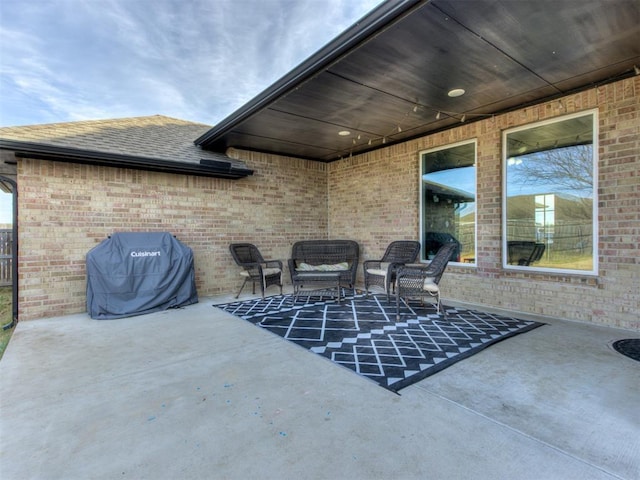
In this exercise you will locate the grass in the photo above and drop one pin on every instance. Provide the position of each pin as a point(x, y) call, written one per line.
point(6, 311)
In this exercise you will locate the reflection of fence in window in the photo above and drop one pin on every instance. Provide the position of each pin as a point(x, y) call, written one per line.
point(562, 240)
point(466, 235)
point(6, 257)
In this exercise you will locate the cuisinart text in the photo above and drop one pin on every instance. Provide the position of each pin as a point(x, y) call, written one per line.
point(146, 254)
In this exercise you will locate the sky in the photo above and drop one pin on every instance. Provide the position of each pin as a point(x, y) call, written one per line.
point(197, 60)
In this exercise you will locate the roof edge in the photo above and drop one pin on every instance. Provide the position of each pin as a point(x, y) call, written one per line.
point(386, 13)
point(210, 168)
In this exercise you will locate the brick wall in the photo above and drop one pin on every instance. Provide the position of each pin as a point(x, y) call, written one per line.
point(66, 209)
point(374, 198)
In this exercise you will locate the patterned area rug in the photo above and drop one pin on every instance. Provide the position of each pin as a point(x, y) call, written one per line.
point(629, 347)
point(363, 335)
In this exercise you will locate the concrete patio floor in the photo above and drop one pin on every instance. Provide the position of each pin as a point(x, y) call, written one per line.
point(196, 393)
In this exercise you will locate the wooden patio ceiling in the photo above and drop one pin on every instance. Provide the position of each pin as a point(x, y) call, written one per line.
point(388, 78)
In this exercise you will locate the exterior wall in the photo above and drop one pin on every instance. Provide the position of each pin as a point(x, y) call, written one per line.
point(374, 198)
point(66, 209)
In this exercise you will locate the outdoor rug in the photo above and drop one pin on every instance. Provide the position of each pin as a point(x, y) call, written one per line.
point(363, 335)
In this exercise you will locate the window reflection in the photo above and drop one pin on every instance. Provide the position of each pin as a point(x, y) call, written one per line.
point(448, 201)
point(549, 172)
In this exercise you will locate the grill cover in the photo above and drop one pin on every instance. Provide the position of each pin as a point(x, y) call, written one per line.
point(135, 273)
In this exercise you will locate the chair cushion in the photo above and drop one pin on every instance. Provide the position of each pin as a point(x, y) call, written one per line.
point(382, 270)
point(377, 271)
point(270, 271)
point(305, 267)
point(265, 272)
point(430, 286)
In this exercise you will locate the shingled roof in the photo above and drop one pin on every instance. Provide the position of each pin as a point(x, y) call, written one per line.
point(155, 143)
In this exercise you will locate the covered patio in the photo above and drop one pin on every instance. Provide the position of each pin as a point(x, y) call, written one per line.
point(199, 393)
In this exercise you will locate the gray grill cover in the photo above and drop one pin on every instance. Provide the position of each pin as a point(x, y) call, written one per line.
point(139, 272)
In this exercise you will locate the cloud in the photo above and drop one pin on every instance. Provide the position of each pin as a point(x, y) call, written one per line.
point(65, 60)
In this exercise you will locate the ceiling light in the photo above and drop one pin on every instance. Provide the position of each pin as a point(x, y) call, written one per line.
point(438, 116)
point(344, 133)
point(456, 92)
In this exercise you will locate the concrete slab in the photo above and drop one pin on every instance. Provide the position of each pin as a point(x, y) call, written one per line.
point(197, 393)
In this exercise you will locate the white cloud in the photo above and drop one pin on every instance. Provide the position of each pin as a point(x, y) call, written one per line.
point(65, 60)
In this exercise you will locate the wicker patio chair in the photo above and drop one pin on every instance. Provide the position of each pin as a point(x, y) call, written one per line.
point(255, 268)
point(422, 281)
point(524, 253)
point(383, 272)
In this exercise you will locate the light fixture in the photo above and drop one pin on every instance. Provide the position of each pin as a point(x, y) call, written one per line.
point(384, 139)
point(369, 143)
point(399, 129)
point(415, 108)
point(464, 117)
point(344, 133)
point(438, 115)
point(456, 92)
point(636, 69)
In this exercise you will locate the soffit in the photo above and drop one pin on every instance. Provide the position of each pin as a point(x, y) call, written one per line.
point(390, 84)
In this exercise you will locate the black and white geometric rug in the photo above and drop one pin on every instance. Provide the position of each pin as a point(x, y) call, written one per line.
point(363, 335)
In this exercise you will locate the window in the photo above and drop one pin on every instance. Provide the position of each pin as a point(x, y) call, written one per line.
point(549, 191)
point(448, 201)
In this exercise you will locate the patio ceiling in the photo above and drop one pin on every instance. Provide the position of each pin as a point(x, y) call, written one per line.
point(387, 78)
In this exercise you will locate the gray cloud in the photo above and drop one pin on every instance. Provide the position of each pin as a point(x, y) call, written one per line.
point(66, 60)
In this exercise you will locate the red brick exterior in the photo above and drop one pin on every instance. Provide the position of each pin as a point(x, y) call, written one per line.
point(66, 209)
point(374, 198)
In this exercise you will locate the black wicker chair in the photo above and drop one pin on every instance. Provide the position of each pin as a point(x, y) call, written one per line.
point(524, 253)
point(382, 272)
point(255, 268)
point(422, 281)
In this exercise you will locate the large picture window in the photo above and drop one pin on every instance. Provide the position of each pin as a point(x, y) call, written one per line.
point(448, 201)
point(549, 195)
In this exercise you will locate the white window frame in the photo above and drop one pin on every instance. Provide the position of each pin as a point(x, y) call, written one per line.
point(594, 160)
point(473, 141)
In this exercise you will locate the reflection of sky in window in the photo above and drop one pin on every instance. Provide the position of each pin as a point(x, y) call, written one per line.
point(459, 178)
point(6, 208)
point(463, 178)
point(521, 180)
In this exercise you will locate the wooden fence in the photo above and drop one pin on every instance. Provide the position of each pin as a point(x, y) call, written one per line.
point(6, 257)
